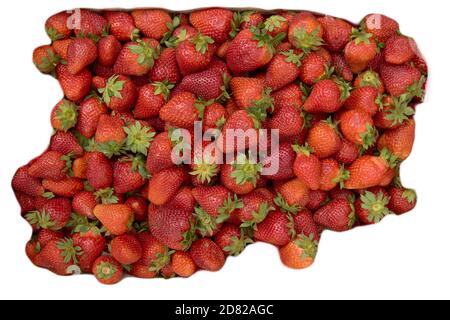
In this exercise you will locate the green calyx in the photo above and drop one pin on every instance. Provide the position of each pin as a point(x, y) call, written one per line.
point(391, 160)
point(53, 34)
point(204, 170)
point(306, 149)
point(138, 164)
point(163, 88)
point(174, 41)
point(112, 89)
point(111, 148)
point(48, 195)
point(239, 18)
point(237, 245)
point(229, 205)
point(400, 110)
point(245, 170)
point(68, 160)
point(369, 137)
point(67, 114)
point(201, 42)
point(308, 244)
point(410, 195)
point(146, 54)
point(49, 62)
point(162, 259)
point(201, 105)
point(273, 22)
point(138, 138)
point(344, 86)
point(171, 25)
point(106, 196)
point(360, 36)
point(265, 39)
point(293, 58)
point(417, 88)
point(206, 224)
point(376, 205)
point(88, 145)
point(343, 176)
point(221, 122)
point(225, 95)
point(190, 235)
point(81, 224)
point(105, 270)
point(370, 78)
point(308, 41)
point(352, 215)
point(258, 216)
point(69, 252)
point(285, 206)
point(42, 220)
point(259, 109)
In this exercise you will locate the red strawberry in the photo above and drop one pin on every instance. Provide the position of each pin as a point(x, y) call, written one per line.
point(402, 79)
point(337, 215)
point(348, 152)
point(366, 171)
point(64, 188)
point(108, 50)
point(331, 174)
point(336, 32)
point(107, 270)
point(80, 53)
point(214, 23)
point(90, 24)
point(401, 200)
point(127, 175)
point(84, 203)
point(65, 143)
point(274, 229)
point(160, 154)
point(152, 23)
point(46, 235)
point(313, 68)
point(292, 195)
point(45, 59)
point(126, 249)
point(380, 26)
point(207, 255)
point(327, 96)
point(241, 177)
point(137, 58)
point(288, 120)
point(316, 199)
point(360, 51)
point(25, 201)
point(285, 157)
point(119, 93)
point(341, 67)
point(250, 19)
point(89, 114)
point(25, 183)
point(369, 78)
point(214, 117)
point(365, 98)
point(278, 23)
point(50, 165)
point(305, 32)
point(116, 218)
point(75, 87)
point(151, 98)
point(155, 256)
point(121, 25)
point(139, 206)
point(307, 167)
point(92, 245)
point(216, 201)
point(164, 185)
point(372, 207)
point(54, 214)
point(208, 84)
point(58, 256)
point(357, 127)
point(231, 240)
point(56, 26)
point(399, 141)
point(304, 224)
point(180, 110)
point(60, 47)
point(194, 54)
point(99, 171)
point(254, 209)
point(324, 139)
point(183, 265)
point(283, 69)
point(399, 49)
point(395, 111)
point(248, 92)
point(166, 67)
point(110, 129)
point(299, 253)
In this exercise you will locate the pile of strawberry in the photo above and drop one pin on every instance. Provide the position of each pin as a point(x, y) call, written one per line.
point(106, 197)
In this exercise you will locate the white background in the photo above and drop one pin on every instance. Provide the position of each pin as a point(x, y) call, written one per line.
point(403, 257)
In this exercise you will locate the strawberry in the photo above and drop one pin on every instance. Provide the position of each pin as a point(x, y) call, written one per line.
point(366, 98)
point(166, 67)
point(54, 214)
point(241, 176)
point(278, 23)
point(254, 209)
point(214, 117)
point(183, 265)
point(208, 84)
point(194, 54)
point(216, 201)
point(336, 32)
point(128, 174)
point(155, 256)
point(214, 23)
point(316, 199)
point(394, 112)
point(126, 249)
point(99, 171)
point(84, 203)
point(89, 113)
point(399, 49)
point(348, 152)
point(45, 59)
point(107, 270)
point(116, 218)
point(251, 49)
point(66, 143)
point(248, 92)
point(24, 183)
point(164, 185)
point(367, 171)
point(50, 165)
point(64, 115)
point(45, 236)
point(80, 53)
point(401, 200)
point(357, 126)
point(338, 215)
point(274, 229)
point(332, 174)
point(110, 134)
point(341, 67)
point(283, 69)
point(121, 25)
point(307, 167)
point(25, 201)
point(119, 93)
point(304, 224)
point(399, 141)
point(380, 26)
point(327, 96)
point(299, 253)
point(180, 110)
point(231, 240)
point(291, 95)
point(369, 78)
point(372, 207)
point(64, 188)
point(137, 57)
point(151, 98)
point(305, 32)
point(313, 68)
point(108, 50)
point(75, 87)
point(286, 157)
point(323, 138)
point(92, 244)
point(160, 154)
point(288, 120)
point(292, 195)
point(59, 256)
point(91, 24)
point(152, 23)
point(207, 255)
point(360, 51)
point(56, 26)
point(60, 47)
point(402, 79)
point(139, 206)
